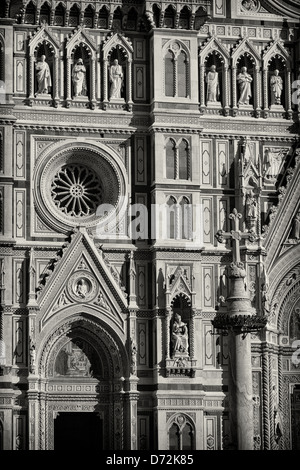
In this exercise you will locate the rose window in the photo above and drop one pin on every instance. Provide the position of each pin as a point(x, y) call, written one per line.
point(76, 190)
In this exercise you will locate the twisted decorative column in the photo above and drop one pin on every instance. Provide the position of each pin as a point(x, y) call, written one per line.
point(257, 105)
point(202, 86)
point(98, 74)
point(281, 397)
point(31, 78)
point(167, 332)
point(69, 97)
point(234, 95)
point(288, 94)
point(92, 83)
point(105, 83)
point(265, 92)
point(192, 334)
point(175, 71)
point(265, 396)
point(56, 73)
point(271, 403)
point(226, 90)
point(129, 86)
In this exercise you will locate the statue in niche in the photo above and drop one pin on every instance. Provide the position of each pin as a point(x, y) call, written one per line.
point(296, 227)
point(244, 80)
point(32, 354)
point(179, 336)
point(116, 79)
point(78, 78)
point(212, 80)
point(43, 76)
point(276, 83)
point(265, 299)
point(251, 205)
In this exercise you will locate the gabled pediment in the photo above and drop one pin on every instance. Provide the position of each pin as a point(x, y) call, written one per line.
point(245, 46)
point(117, 40)
point(180, 283)
point(213, 45)
point(81, 36)
point(81, 277)
point(274, 49)
point(44, 34)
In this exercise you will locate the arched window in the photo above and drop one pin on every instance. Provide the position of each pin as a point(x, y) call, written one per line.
point(88, 17)
point(169, 74)
point(30, 14)
point(74, 16)
point(156, 15)
point(181, 433)
point(182, 74)
point(184, 19)
point(174, 438)
point(59, 17)
point(169, 17)
point(176, 71)
point(183, 157)
point(132, 20)
point(45, 13)
point(103, 18)
point(177, 160)
point(170, 159)
point(171, 218)
point(185, 219)
point(118, 16)
point(187, 438)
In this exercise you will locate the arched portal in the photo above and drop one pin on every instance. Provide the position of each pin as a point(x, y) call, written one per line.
point(82, 367)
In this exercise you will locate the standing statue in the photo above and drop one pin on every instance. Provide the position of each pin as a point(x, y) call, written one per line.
point(78, 77)
point(296, 227)
point(251, 205)
point(244, 81)
point(179, 336)
point(43, 75)
point(276, 83)
point(116, 79)
point(212, 80)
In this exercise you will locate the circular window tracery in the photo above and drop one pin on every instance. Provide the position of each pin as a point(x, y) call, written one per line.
point(76, 190)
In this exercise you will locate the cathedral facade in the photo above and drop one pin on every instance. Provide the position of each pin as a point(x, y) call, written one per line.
point(149, 225)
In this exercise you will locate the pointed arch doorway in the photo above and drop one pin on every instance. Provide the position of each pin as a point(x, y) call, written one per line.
point(83, 404)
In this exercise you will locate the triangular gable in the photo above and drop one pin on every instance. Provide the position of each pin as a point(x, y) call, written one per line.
point(245, 46)
point(214, 45)
point(44, 34)
point(80, 36)
point(276, 48)
point(82, 277)
point(117, 40)
point(180, 283)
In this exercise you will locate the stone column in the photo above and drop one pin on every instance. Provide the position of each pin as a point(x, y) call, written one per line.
point(265, 92)
point(234, 94)
point(129, 86)
point(105, 83)
point(202, 86)
point(239, 322)
point(226, 91)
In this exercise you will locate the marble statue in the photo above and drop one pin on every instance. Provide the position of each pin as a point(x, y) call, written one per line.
point(43, 76)
point(116, 79)
point(212, 80)
point(244, 81)
point(179, 337)
point(276, 83)
point(78, 78)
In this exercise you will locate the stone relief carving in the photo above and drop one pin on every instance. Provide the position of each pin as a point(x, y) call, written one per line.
point(82, 287)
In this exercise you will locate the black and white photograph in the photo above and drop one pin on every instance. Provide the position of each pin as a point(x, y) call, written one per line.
point(149, 229)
